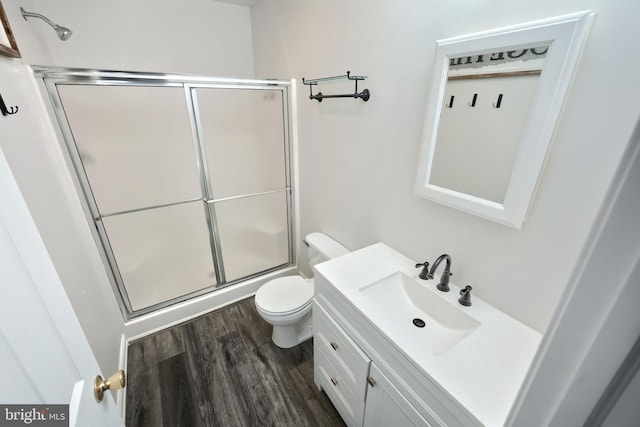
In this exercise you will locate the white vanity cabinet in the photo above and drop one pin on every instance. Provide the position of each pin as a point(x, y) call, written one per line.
point(462, 367)
point(369, 381)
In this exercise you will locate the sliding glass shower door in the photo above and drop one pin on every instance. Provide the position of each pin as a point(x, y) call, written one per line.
point(242, 134)
point(187, 180)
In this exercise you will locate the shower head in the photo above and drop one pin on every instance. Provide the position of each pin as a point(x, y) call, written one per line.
point(63, 32)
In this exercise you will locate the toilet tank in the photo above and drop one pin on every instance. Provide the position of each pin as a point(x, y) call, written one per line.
point(323, 248)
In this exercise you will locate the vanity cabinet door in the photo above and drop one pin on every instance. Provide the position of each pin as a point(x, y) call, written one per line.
point(386, 406)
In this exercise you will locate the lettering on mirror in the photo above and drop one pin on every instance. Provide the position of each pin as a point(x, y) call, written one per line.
point(498, 57)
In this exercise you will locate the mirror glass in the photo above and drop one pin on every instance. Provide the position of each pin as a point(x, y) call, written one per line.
point(493, 105)
point(487, 101)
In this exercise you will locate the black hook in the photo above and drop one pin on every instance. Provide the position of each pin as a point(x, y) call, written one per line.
point(473, 101)
point(497, 105)
point(451, 102)
point(7, 111)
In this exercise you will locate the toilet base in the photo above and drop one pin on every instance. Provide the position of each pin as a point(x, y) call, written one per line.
point(291, 336)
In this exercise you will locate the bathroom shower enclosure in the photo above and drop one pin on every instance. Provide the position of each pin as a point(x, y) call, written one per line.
point(186, 179)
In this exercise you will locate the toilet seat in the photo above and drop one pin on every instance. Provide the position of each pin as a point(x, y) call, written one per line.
point(284, 295)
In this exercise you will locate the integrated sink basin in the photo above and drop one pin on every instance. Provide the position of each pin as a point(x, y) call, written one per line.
point(406, 307)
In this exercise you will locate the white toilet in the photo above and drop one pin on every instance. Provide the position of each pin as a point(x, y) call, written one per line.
point(286, 302)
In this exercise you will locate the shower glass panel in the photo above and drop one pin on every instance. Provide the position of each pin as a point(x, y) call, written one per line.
point(135, 144)
point(253, 233)
point(186, 178)
point(243, 136)
point(162, 253)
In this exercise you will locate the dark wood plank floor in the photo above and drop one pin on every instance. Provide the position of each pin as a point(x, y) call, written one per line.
point(223, 370)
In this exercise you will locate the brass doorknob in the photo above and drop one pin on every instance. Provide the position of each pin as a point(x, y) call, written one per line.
point(114, 382)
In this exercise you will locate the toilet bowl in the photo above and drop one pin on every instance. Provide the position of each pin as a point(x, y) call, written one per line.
point(286, 302)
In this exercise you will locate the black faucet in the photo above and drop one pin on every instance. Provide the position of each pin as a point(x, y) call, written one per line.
point(444, 278)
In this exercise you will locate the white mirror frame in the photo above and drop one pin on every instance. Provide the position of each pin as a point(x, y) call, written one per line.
point(566, 35)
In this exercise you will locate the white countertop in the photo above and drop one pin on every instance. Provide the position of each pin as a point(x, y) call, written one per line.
point(483, 372)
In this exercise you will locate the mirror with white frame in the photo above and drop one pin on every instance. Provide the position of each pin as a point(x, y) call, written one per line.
point(494, 102)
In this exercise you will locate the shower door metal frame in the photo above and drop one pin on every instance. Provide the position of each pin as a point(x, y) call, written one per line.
point(53, 76)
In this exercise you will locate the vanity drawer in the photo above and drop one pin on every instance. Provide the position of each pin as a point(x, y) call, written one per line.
point(332, 377)
point(330, 339)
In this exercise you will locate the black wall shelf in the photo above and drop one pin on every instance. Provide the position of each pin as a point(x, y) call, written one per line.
point(364, 95)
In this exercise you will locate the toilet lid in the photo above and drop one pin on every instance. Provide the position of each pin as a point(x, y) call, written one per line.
point(284, 295)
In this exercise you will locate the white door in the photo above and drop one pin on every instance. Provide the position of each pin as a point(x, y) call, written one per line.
point(45, 358)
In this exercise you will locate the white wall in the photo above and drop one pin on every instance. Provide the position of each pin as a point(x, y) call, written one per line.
point(358, 160)
point(190, 36)
point(198, 36)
